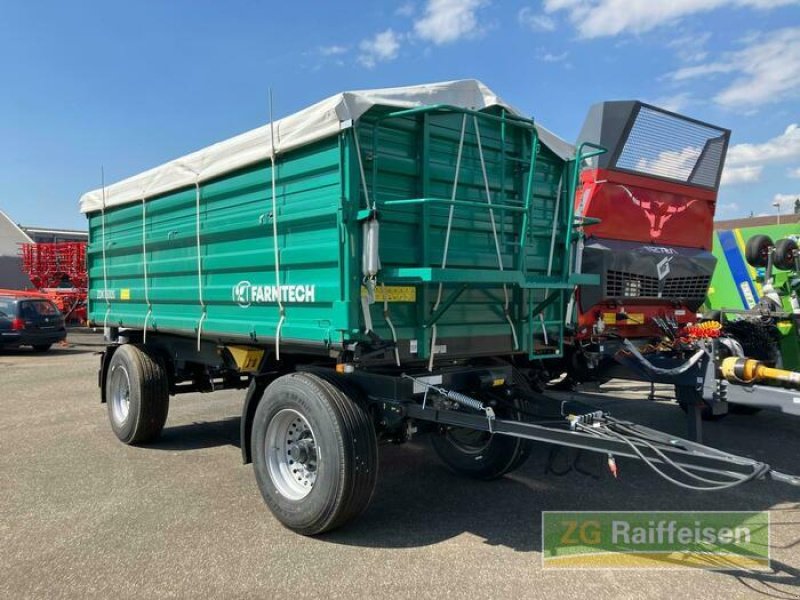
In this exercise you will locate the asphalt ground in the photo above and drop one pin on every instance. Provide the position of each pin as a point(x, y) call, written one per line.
point(83, 516)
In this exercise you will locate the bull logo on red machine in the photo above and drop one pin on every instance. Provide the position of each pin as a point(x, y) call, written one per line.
point(658, 212)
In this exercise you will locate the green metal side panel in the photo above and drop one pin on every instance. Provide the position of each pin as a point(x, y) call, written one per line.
point(237, 267)
point(146, 254)
point(415, 157)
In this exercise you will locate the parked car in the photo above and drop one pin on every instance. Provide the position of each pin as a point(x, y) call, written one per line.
point(30, 321)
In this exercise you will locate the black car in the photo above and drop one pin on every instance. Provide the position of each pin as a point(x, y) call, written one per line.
point(30, 321)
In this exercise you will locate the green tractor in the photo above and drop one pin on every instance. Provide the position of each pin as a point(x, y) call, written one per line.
point(756, 299)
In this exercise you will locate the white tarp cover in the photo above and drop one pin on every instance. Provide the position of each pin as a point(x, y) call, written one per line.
point(316, 122)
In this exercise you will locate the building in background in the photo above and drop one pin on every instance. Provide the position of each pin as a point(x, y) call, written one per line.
point(45, 234)
point(11, 237)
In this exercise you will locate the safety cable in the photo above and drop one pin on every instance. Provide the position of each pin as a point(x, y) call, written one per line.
point(446, 250)
point(494, 231)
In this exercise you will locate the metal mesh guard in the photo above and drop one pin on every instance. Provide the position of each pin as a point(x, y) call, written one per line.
point(665, 145)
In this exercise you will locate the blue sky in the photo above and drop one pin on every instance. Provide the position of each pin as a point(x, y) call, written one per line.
point(128, 85)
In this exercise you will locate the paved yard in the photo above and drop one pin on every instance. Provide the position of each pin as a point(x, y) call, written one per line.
point(82, 515)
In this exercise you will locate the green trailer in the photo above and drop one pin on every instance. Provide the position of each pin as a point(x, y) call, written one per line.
point(383, 262)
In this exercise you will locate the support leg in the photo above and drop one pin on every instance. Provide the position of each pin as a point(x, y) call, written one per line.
point(694, 422)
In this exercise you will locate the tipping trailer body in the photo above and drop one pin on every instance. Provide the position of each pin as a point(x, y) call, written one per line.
point(200, 259)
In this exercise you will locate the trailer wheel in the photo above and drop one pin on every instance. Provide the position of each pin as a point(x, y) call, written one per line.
point(315, 453)
point(686, 395)
point(480, 454)
point(137, 393)
point(756, 251)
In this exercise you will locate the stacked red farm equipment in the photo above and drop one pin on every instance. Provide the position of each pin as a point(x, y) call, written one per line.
point(58, 270)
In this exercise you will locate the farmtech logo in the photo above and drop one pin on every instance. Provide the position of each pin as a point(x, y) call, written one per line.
point(656, 540)
point(245, 293)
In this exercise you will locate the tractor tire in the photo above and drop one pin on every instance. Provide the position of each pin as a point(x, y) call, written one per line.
point(315, 453)
point(137, 393)
point(759, 341)
point(757, 249)
point(784, 255)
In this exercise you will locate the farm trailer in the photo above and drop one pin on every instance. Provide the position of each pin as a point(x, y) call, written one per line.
point(380, 263)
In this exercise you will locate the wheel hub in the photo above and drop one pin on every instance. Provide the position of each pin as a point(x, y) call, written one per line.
point(121, 394)
point(292, 454)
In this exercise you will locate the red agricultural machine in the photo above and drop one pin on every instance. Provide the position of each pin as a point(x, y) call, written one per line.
point(58, 270)
point(647, 205)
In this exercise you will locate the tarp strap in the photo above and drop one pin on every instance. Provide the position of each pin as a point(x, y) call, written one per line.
point(144, 266)
point(506, 311)
point(447, 235)
point(199, 263)
point(105, 265)
point(361, 169)
point(275, 248)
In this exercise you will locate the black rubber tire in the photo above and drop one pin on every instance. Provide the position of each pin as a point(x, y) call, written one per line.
point(346, 474)
point(756, 251)
point(783, 256)
point(490, 456)
point(148, 395)
point(41, 347)
point(759, 341)
point(687, 394)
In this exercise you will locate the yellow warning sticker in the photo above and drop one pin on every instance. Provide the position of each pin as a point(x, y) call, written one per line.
point(609, 318)
point(393, 293)
point(125, 294)
point(635, 319)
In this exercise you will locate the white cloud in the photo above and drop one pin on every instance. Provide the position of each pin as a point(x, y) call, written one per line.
point(600, 18)
point(766, 71)
point(785, 146)
point(406, 10)
point(382, 47)
point(786, 201)
point(675, 103)
point(671, 163)
point(794, 173)
point(746, 174)
point(332, 50)
point(691, 48)
point(745, 162)
point(534, 21)
point(447, 21)
point(553, 58)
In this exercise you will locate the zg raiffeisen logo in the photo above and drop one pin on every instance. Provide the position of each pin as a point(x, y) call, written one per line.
point(706, 540)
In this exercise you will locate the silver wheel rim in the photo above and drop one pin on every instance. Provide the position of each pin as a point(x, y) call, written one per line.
point(120, 394)
point(291, 453)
